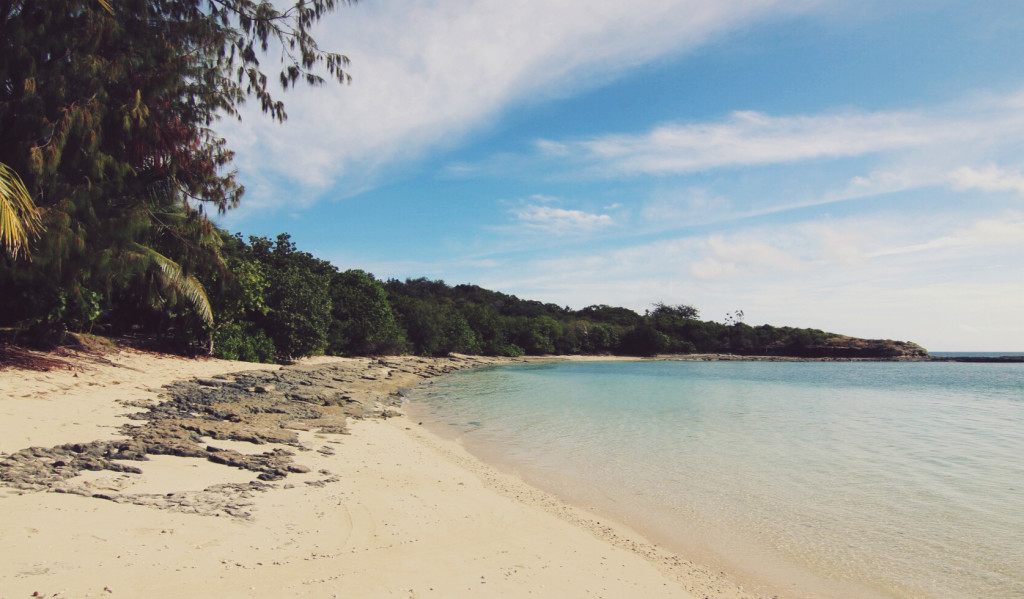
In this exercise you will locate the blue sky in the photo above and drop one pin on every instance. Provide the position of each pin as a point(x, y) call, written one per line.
point(854, 166)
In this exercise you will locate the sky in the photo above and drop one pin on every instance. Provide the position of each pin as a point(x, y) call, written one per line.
point(855, 166)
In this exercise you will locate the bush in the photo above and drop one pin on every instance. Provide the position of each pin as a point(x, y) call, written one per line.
point(512, 351)
point(644, 340)
point(246, 343)
point(362, 322)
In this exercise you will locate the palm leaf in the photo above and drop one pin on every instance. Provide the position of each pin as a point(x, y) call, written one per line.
point(175, 278)
point(19, 217)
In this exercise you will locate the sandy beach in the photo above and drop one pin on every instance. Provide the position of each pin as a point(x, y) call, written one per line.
point(329, 494)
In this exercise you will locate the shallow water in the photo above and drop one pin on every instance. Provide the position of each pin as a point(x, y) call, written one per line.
point(815, 479)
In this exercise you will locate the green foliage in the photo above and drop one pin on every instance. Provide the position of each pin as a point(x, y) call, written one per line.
point(80, 311)
point(432, 318)
point(677, 312)
point(241, 288)
point(538, 335)
point(298, 298)
point(680, 326)
point(105, 114)
point(457, 335)
point(623, 317)
point(644, 340)
point(362, 320)
point(245, 342)
point(435, 328)
point(299, 312)
point(598, 338)
point(512, 351)
point(506, 325)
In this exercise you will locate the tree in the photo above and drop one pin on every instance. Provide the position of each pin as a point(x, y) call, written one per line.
point(679, 324)
point(362, 320)
point(238, 295)
point(537, 335)
point(610, 315)
point(596, 338)
point(644, 340)
point(682, 311)
point(102, 102)
point(298, 300)
point(435, 328)
point(492, 331)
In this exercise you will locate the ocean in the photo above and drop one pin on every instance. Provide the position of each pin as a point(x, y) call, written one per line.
point(862, 480)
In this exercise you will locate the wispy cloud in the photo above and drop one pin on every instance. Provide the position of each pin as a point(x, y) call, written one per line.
point(988, 178)
point(984, 233)
point(747, 138)
point(559, 221)
point(730, 259)
point(427, 73)
point(691, 205)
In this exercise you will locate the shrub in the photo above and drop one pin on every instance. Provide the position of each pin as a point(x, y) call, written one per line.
point(246, 343)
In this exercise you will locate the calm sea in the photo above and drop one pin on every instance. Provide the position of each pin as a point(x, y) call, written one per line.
point(812, 479)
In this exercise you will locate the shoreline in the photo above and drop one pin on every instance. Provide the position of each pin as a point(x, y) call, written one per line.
point(376, 508)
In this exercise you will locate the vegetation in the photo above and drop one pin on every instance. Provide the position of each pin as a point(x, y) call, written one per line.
point(106, 147)
point(19, 217)
point(108, 168)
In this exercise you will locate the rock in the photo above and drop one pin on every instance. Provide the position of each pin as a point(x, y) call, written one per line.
point(258, 407)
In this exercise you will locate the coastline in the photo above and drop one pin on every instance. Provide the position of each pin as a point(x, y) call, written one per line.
point(380, 508)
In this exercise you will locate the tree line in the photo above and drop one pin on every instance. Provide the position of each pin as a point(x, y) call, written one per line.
point(274, 302)
point(265, 300)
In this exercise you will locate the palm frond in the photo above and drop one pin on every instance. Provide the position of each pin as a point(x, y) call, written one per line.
point(19, 217)
point(106, 5)
point(185, 284)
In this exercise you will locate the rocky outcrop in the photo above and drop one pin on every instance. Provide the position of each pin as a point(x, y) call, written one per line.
point(258, 407)
point(852, 348)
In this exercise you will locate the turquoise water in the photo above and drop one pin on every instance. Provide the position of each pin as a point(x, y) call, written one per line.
point(810, 479)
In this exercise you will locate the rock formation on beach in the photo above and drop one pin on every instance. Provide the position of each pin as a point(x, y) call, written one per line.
point(259, 407)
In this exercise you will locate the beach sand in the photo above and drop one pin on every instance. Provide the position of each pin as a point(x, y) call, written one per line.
point(385, 510)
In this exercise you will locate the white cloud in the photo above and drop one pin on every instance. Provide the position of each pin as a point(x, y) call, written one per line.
point(988, 178)
point(748, 138)
point(426, 73)
point(691, 206)
point(888, 181)
point(729, 258)
point(751, 138)
point(809, 254)
point(983, 233)
point(559, 221)
point(840, 246)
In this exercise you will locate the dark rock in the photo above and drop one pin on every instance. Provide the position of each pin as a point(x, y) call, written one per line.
point(256, 406)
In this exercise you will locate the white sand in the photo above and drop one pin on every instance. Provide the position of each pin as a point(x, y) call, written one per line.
point(394, 512)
